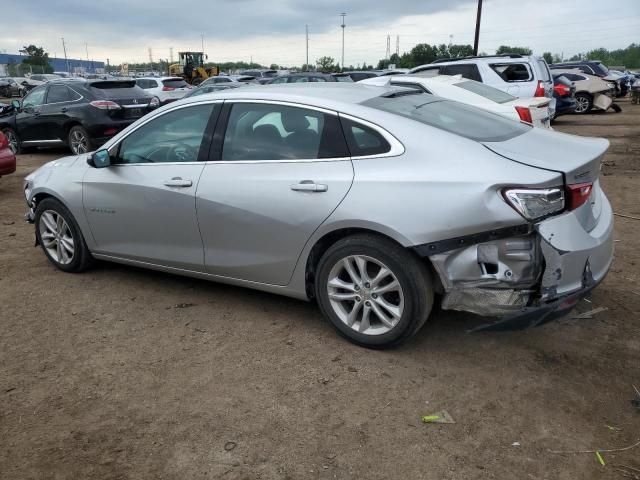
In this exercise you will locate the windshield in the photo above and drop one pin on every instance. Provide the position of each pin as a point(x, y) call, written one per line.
point(464, 120)
point(600, 69)
point(486, 91)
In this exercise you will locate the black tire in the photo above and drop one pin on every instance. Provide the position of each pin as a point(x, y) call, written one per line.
point(411, 273)
point(75, 133)
point(81, 259)
point(587, 100)
point(14, 141)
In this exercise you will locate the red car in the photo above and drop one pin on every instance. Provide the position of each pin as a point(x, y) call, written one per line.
point(7, 157)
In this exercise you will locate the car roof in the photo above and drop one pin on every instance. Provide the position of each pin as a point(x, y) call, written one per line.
point(336, 96)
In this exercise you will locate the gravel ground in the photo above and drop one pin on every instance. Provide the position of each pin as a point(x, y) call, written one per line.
point(122, 373)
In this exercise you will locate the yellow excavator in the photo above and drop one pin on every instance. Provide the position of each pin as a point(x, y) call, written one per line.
point(191, 68)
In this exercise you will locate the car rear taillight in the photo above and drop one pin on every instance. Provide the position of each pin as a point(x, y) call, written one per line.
point(105, 105)
point(578, 194)
point(110, 132)
point(561, 89)
point(4, 141)
point(539, 89)
point(167, 89)
point(535, 203)
point(525, 114)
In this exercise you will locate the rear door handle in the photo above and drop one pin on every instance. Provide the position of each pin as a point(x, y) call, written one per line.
point(178, 182)
point(63, 109)
point(309, 186)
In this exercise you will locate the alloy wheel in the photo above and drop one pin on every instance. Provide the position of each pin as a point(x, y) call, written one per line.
point(582, 104)
point(56, 237)
point(79, 143)
point(365, 294)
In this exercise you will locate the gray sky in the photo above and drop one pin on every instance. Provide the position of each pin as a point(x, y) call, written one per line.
point(272, 31)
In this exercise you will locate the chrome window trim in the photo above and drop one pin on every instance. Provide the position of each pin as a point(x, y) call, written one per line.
point(397, 148)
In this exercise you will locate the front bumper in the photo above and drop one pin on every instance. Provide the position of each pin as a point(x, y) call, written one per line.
point(529, 279)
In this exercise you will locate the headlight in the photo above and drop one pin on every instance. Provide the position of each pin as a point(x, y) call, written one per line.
point(534, 204)
point(27, 189)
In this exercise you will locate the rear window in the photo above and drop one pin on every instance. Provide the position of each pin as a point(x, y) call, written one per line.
point(175, 83)
point(457, 118)
point(114, 84)
point(429, 72)
point(600, 69)
point(544, 71)
point(513, 72)
point(486, 91)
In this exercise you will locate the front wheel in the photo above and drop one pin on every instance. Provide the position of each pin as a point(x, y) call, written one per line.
point(60, 237)
point(373, 291)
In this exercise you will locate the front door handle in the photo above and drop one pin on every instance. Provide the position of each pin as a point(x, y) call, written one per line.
point(309, 186)
point(178, 182)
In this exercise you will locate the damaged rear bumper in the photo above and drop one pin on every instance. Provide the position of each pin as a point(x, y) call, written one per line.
point(526, 279)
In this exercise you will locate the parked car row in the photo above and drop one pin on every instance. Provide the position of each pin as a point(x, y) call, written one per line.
point(375, 201)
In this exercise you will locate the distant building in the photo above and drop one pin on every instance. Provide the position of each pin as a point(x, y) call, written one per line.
point(59, 64)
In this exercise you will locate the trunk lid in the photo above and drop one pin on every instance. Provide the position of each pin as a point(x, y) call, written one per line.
point(576, 158)
point(133, 100)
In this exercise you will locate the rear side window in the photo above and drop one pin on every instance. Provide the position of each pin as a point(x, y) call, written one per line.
point(463, 120)
point(486, 91)
point(469, 71)
point(513, 72)
point(58, 94)
point(279, 132)
point(363, 140)
point(174, 83)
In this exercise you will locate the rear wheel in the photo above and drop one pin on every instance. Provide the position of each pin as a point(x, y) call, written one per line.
point(12, 137)
point(373, 291)
point(79, 141)
point(584, 103)
point(60, 237)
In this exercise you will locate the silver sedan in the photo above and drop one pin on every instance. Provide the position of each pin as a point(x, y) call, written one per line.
point(370, 200)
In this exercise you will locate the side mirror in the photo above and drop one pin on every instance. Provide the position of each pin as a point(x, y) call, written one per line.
point(99, 159)
point(15, 104)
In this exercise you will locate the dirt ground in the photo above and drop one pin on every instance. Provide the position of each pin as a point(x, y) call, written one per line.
point(121, 373)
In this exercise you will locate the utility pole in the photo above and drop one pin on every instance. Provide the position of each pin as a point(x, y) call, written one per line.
point(151, 58)
point(306, 65)
point(477, 37)
point(343, 25)
point(171, 54)
point(202, 38)
point(64, 48)
point(86, 48)
point(398, 45)
point(387, 53)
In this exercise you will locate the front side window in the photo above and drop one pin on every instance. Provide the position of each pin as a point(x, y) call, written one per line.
point(279, 132)
point(513, 72)
point(35, 98)
point(58, 94)
point(469, 71)
point(175, 136)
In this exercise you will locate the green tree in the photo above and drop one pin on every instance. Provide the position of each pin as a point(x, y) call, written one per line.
point(423, 53)
point(326, 64)
point(274, 66)
point(460, 50)
point(504, 49)
point(37, 58)
point(548, 57)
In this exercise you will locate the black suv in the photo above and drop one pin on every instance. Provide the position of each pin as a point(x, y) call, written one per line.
point(82, 114)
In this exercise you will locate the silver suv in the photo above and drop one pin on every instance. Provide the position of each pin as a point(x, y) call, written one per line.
point(518, 75)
